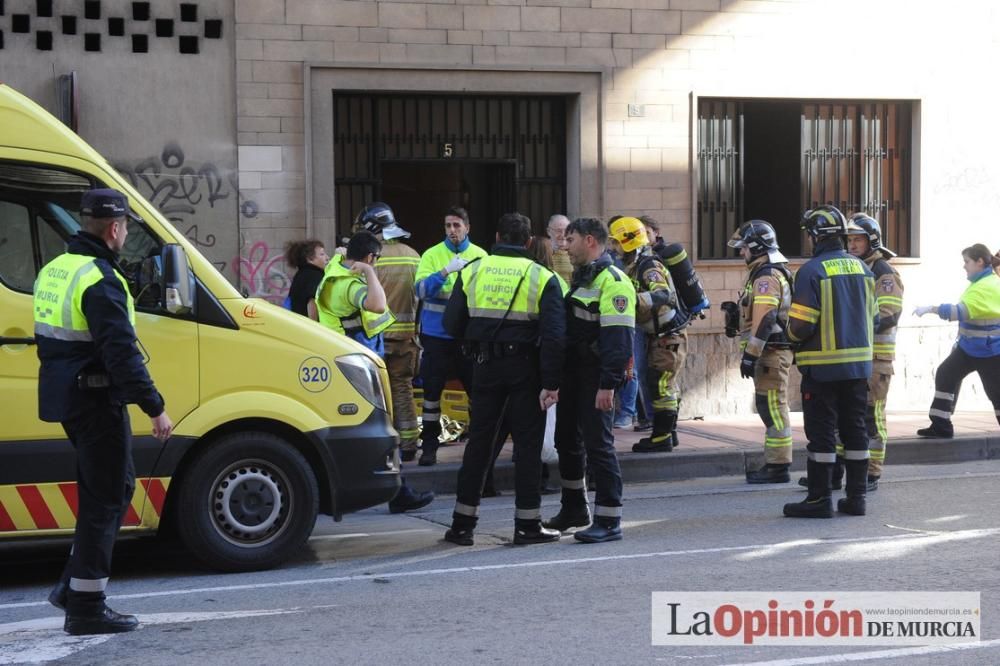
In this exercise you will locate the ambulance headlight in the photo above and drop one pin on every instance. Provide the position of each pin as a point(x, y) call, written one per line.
point(364, 376)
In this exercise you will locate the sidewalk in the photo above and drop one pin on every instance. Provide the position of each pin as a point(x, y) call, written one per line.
point(726, 446)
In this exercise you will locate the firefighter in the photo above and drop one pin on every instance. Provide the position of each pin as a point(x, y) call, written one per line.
point(352, 301)
point(864, 241)
point(833, 318)
point(656, 315)
point(600, 314)
point(90, 370)
point(767, 354)
point(509, 313)
point(442, 355)
point(396, 269)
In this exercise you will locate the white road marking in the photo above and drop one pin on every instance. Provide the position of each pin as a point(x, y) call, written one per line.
point(356, 535)
point(924, 540)
point(42, 639)
point(878, 654)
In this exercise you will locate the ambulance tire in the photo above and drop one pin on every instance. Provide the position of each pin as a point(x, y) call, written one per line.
point(248, 502)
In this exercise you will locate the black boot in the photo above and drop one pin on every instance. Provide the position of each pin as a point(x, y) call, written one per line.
point(408, 499)
point(460, 537)
point(603, 529)
point(429, 443)
point(86, 613)
point(106, 621)
point(770, 473)
point(817, 503)
point(673, 438)
point(939, 429)
point(57, 597)
point(574, 512)
point(661, 439)
point(529, 533)
point(855, 488)
point(872, 483)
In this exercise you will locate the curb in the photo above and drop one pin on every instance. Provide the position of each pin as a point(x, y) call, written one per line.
point(682, 465)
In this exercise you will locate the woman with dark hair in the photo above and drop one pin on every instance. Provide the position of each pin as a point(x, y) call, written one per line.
point(308, 258)
point(978, 346)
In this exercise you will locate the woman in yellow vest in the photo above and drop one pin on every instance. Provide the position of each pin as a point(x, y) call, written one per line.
point(978, 347)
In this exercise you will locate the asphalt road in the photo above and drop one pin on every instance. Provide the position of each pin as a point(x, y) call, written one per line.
point(381, 589)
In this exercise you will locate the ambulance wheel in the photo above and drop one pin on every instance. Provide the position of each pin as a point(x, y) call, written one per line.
point(247, 502)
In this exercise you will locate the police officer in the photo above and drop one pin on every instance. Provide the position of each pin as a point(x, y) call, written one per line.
point(767, 353)
point(864, 241)
point(657, 316)
point(833, 317)
point(90, 369)
point(600, 315)
point(351, 301)
point(442, 357)
point(509, 312)
point(396, 269)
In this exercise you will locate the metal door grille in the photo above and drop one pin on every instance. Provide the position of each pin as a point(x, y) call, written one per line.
point(530, 130)
point(854, 155)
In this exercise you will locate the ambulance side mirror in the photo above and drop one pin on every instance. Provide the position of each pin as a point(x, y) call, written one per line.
point(177, 293)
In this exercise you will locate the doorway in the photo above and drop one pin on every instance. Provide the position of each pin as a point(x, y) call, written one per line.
point(421, 191)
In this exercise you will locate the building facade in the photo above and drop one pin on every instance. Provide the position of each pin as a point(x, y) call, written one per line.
point(255, 122)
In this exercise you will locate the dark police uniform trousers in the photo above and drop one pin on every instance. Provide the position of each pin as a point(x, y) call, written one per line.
point(504, 384)
point(102, 438)
point(585, 440)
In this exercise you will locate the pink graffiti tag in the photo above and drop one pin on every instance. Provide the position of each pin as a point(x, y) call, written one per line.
point(261, 274)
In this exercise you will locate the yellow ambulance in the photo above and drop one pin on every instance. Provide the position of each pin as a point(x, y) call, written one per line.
point(277, 418)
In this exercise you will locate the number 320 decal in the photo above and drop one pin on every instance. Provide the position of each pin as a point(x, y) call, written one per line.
point(314, 374)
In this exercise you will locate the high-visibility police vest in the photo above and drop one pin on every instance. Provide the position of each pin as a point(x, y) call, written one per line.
point(339, 300)
point(498, 286)
point(58, 299)
point(608, 300)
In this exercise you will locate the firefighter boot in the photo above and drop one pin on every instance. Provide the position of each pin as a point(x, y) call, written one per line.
point(770, 473)
point(817, 503)
point(574, 512)
point(429, 443)
point(855, 488)
point(661, 439)
point(837, 479)
point(86, 614)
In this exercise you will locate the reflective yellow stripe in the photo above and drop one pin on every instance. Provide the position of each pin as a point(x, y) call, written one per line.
point(835, 356)
point(880, 425)
point(889, 300)
point(777, 442)
point(828, 334)
point(772, 403)
point(766, 300)
point(803, 313)
point(677, 258)
point(397, 261)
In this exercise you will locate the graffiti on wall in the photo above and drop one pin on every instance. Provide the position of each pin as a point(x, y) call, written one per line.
point(261, 273)
point(196, 197)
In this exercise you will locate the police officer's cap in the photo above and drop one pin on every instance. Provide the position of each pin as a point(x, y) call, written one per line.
point(104, 203)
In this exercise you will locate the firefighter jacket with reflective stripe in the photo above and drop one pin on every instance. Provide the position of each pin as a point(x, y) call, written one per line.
point(889, 301)
point(764, 305)
point(434, 290)
point(396, 270)
point(600, 311)
point(833, 315)
point(85, 323)
point(656, 298)
point(340, 302)
point(978, 315)
point(508, 298)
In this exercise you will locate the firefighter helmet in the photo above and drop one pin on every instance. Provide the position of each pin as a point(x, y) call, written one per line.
point(824, 222)
point(759, 238)
point(630, 233)
point(862, 224)
point(377, 218)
